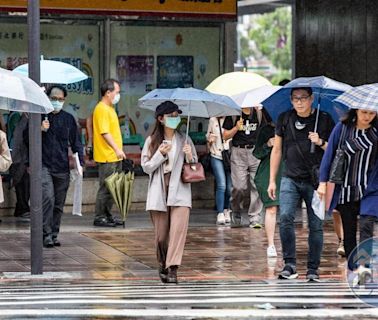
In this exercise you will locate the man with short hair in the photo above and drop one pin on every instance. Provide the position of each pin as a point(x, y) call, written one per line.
point(108, 149)
point(292, 143)
point(59, 131)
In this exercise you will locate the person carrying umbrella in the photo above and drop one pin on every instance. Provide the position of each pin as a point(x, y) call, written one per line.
point(243, 132)
point(357, 135)
point(59, 131)
point(169, 199)
point(292, 143)
point(108, 152)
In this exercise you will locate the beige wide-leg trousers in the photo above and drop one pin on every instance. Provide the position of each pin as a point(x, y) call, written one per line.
point(170, 232)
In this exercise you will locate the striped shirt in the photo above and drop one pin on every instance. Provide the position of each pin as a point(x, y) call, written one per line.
point(359, 147)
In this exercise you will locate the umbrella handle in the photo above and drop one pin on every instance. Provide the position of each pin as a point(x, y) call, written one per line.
point(312, 148)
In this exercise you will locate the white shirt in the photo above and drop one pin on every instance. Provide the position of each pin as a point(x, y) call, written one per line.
point(168, 165)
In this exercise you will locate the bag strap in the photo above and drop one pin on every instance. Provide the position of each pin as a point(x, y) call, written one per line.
point(341, 143)
point(221, 134)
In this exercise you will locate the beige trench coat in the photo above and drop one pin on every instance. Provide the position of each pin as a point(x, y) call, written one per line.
point(5, 160)
point(179, 193)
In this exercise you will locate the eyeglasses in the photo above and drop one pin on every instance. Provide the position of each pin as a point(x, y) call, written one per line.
point(57, 99)
point(301, 99)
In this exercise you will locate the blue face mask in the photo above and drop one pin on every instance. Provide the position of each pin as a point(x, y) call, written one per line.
point(57, 105)
point(172, 122)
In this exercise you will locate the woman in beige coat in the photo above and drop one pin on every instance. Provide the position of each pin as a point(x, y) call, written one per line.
point(169, 200)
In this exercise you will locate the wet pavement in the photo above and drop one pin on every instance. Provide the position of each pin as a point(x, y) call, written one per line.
point(211, 252)
point(111, 272)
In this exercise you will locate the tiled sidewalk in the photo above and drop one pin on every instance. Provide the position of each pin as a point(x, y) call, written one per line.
point(211, 253)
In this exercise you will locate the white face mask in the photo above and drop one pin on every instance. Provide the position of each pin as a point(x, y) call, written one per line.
point(116, 98)
point(57, 105)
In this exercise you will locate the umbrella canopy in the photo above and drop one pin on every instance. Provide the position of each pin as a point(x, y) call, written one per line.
point(325, 90)
point(233, 83)
point(199, 103)
point(55, 72)
point(120, 186)
point(362, 97)
point(254, 97)
point(19, 93)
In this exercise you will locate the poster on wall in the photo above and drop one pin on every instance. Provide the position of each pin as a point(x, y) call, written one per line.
point(135, 73)
point(77, 45)
point(174, 72)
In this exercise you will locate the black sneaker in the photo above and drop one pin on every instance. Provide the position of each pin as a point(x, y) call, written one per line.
point(47, 242)
point(103, 222)
point(56, 242)
point(312, 275)
point(288, 272)
point(116, 221)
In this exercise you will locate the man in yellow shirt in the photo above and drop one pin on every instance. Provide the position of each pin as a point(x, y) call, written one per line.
point(107, 148)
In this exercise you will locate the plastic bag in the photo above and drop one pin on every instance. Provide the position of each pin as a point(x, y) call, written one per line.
point(77, 179)
point(318, 205)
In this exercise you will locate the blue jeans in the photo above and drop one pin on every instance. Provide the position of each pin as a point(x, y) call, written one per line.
point(290, 193)
point(223, 185)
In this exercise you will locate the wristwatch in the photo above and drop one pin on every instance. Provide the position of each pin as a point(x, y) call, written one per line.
point(323, 143)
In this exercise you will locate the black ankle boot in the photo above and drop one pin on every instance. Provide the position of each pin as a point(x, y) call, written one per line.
point(163, 273)
point(172, 274)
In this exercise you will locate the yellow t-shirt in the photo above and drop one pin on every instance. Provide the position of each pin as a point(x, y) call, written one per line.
point(105, 120)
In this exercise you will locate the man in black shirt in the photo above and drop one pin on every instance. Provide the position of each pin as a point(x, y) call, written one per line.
point(244, 164)
point(59, 131)
point(294, 135)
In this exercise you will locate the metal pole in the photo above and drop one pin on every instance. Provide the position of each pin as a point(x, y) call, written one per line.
point(35, 143)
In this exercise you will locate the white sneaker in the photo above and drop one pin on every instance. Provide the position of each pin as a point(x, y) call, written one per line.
point(227, 216)
point(271, 252)
point(220, 218)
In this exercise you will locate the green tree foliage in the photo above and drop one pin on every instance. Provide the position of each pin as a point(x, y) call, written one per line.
point(272, 36)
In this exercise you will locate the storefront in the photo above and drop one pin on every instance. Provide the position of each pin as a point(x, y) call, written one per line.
point(144, 44)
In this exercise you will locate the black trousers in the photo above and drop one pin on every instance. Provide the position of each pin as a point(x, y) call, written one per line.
point(349, 213)
point(22, 195)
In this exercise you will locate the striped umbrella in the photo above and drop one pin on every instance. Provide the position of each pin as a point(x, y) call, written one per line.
point(362, 97)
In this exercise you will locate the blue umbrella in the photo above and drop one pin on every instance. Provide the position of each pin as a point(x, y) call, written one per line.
point(325, 90)
point(55, 72)
point(362, 97)
point(199, 103)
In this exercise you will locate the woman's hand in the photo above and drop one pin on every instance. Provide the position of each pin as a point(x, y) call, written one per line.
point(212, 138)
point(270, 142)
point(272, 190)
point(165, 148)
point(322, 188)
point(188, 151)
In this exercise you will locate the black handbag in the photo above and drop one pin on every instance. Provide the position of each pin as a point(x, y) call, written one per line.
point(226, 154)
point(340, 162)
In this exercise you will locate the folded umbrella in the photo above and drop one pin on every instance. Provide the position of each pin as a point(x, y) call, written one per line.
point(363, 97)
point(111, 184)
point(128, 193)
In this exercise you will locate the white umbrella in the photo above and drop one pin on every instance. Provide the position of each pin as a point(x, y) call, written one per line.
point(19, 93)
point(192, 102)
point(199, 103)
point(254, 97)
point(55, 72)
